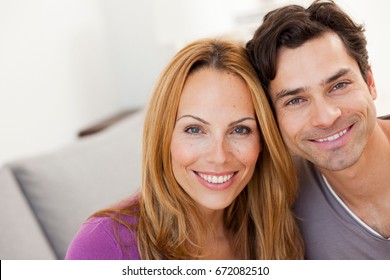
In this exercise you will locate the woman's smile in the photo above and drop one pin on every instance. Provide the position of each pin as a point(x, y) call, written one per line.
point(215, 146)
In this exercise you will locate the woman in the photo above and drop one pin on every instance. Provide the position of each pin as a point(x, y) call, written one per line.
point(217, 180)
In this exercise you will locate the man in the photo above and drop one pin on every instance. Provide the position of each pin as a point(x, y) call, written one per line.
point(313, 64)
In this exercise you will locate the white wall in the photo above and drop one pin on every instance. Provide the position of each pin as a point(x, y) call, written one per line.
point(374, 14)
point(65, 64)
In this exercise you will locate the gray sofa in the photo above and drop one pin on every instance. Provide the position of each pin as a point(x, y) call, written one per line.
point(45, 199)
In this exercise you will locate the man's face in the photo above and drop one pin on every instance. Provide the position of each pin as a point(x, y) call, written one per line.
point(324, 108)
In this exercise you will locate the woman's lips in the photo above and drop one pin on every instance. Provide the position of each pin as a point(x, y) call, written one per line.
point(215, 181)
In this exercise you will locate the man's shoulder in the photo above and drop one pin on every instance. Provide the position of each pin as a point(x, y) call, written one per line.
point(310, 185)
point(307, 171)
point(385, 117)
point(384, 122)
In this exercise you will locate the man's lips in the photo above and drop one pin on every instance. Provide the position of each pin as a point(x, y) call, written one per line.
point(332, 137)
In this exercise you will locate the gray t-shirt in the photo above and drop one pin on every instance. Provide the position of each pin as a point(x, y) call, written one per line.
point(329, 230)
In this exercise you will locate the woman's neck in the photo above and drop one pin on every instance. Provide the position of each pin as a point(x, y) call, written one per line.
point(218, 242)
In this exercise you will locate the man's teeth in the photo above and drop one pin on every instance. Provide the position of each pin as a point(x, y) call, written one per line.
point(333, 137)
point(216, 179)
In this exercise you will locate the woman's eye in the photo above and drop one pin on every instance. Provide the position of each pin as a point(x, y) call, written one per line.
point(193, 130)
point(242, 130)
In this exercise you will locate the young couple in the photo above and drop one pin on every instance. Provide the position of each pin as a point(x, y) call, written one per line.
point(219, 181)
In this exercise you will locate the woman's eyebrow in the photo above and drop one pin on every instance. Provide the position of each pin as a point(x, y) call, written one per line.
point(207, 123)
point(194, 117)
point(241, 120)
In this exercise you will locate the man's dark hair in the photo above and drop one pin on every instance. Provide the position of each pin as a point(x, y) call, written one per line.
point(293, 25)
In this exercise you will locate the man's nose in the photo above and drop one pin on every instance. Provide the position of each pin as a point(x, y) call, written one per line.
point(324, 112)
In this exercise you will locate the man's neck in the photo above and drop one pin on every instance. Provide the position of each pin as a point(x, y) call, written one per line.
point(365, 186)
point(370, 170)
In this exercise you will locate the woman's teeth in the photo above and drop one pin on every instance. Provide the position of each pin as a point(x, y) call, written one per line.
point(216, 179)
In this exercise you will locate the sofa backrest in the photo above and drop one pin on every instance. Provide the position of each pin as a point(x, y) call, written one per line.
point(21, 236)
point(64, 187)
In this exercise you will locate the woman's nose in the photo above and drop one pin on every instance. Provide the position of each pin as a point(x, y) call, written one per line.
point(219, 151)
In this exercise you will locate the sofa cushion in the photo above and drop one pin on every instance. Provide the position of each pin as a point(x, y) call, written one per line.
point(21, 237)
point(66, 186)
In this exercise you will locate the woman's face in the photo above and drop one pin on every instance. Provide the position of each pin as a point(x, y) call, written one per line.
point(216, 140)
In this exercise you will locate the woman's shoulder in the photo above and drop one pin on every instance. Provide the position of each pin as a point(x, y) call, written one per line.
point(108, 238)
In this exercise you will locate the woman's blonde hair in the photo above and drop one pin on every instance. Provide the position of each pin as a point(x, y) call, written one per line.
point(169, 225)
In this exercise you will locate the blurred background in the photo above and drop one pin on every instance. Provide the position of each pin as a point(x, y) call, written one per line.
point(67, 64)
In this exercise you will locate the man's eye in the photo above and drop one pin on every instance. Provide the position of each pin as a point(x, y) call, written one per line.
point(340, 86)
point(295, 101)
point(193, 130)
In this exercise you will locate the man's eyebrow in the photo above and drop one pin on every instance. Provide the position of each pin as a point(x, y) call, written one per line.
point(288, 92)
point(340, 73)
point(291, 92)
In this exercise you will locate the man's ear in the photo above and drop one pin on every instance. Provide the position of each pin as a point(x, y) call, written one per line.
point(371, 83)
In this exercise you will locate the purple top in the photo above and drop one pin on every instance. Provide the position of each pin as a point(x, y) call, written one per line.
point(102, 238)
